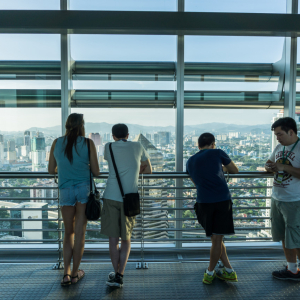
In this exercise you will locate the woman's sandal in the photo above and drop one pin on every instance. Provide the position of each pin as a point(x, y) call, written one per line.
point(78, 278)
point(65, 283)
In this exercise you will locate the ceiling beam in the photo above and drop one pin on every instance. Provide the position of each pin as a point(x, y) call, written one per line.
point(162, 23)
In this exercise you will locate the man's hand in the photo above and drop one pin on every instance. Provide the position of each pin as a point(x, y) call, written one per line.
point(277, 167)
point(274, 167)
point(269, 167)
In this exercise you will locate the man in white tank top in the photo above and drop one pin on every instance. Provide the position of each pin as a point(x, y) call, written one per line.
point(131, 159)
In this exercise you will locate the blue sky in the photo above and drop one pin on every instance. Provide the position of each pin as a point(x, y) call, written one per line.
point(143, 48)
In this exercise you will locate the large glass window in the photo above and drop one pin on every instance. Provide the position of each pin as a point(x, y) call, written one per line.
point(124, 5)
point(237, 6)
point(30, 4)
point(240, 74)
point(130, 79)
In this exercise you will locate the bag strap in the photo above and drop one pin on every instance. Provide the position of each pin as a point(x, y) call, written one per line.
point(116, 170)
point(91, 185)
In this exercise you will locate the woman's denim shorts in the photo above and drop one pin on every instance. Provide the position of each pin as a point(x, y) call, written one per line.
point(74, 193)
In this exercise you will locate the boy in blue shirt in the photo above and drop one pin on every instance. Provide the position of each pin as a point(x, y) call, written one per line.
point(213, 204)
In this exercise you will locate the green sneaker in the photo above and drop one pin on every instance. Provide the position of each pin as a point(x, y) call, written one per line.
point(224, 275)
point(208, 279)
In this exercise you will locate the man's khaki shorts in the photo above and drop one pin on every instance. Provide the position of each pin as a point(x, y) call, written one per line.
point(114, 223)
point(285, 217)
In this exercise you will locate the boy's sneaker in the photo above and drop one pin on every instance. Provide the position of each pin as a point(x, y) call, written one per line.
point(224, 275)
point(208, 279)
point(285, 274)
point(111, 275)
point(116, 281)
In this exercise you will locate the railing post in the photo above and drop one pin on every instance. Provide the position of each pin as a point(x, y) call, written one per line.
point(59, 265)
point(60, 243)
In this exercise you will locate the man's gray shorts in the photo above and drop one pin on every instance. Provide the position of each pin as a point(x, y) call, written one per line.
point(285, 217)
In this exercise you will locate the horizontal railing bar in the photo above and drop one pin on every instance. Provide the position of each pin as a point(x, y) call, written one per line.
point(30, 220)
point(24, 230)
point(44, 209)
point(169, 220)
point(104, 175)
point(28, 188)
point(183, 208)
point(192, 229)
point(28, 241)
point(251, 197)
point(146, 187)
point(25, 198)
point(145, 219)
point(135, 229)
point(193, 198)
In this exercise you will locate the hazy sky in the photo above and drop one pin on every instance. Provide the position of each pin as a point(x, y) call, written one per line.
point(24, 118)
point(142, 48)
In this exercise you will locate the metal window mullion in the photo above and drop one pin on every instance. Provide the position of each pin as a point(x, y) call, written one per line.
point(179, 128)
point(66, 72)
point(66, 87)
point(290, 66)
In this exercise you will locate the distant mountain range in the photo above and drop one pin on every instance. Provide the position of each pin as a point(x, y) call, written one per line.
point(104, 127)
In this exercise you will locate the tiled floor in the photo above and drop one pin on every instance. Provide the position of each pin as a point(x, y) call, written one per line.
point(160, 281)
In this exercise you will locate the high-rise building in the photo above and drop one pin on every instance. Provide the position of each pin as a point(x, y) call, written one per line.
point(160, 202)
point(32, 134)
point(156, 139)
point(47, 149)
point(164, 138)
point(38, 160)
point(11, 156)
point(221, 137)
point(1, 151)
point(23, 213)
point(297, 119)
point(25, 151)
point(37, 143)
point(11, 151)
point(107, 136)
point(11, 145)
point(96, 138)
point(1, 138)
point(40, 134)
point(27, 139)
point(234, 135)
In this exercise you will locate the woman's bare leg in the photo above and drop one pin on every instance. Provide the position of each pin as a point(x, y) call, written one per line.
point(68, 214)
point(80, 228)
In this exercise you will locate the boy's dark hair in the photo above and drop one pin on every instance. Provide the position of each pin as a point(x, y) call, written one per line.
point(120, 131)
point(206, 139)
point(286, 124)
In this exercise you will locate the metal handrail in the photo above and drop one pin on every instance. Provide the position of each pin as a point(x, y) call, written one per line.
point(145, 218)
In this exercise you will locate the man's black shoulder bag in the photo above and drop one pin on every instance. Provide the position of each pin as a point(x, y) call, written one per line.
point(131, 201)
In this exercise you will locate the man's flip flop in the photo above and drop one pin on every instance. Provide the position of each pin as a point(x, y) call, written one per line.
point(78, 278)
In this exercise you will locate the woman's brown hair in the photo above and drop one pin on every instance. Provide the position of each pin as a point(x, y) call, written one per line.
point(74, 129)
